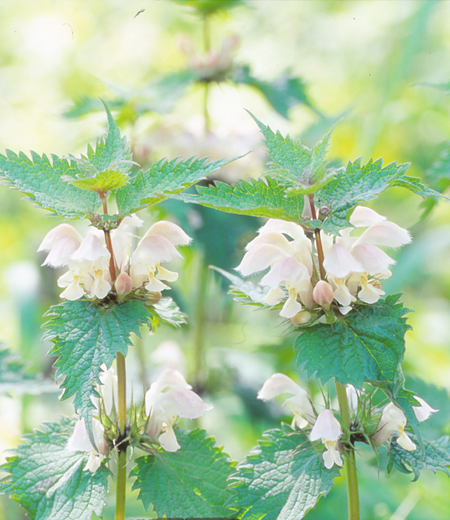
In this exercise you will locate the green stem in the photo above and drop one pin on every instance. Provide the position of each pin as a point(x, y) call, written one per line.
point(350, 462)
point(319, 248)
point(122, 392)
point(121, 485)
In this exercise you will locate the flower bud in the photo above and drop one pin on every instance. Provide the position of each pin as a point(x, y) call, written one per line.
point(323, 294)
point(123, 284)
point(301, 318)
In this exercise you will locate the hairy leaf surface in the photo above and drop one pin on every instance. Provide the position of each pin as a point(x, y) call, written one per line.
point(86, 336)
point(190, 482)
point(257, 198)
point(367, 344)
point(163, 179)
point(435, 456)
point(281, 479)
point(48, 480)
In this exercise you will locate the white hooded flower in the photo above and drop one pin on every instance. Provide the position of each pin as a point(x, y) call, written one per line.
point(122, 240)
point(156, 247)
point(168, 398)
point(359, 259)
point(79, 441)
point(393, 420)
point(423, 411)
point(299, 404)
point(328, 430)
point(61, 242)
point(88, 271)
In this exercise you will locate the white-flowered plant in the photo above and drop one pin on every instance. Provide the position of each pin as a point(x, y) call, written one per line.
point(353, 265)
point(89, 260)
point(327, 429)
point(168, 398)
point(79, 441)
point(299, 404)
point(393, 420)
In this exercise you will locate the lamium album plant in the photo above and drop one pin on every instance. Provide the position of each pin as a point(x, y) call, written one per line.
point(319, 261)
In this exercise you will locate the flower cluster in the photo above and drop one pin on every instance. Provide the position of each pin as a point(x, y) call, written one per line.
point(89, 260)
point(325, 426)
point(393, 420)
point(353, 264)
point(168, 398)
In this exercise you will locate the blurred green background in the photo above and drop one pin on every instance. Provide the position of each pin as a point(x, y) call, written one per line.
point(178, 78)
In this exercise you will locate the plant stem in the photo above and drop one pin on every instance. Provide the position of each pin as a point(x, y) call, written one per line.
point(122, 392)
point(121, 485)
point(108, 242)
point(319, 247)
point(350, 462)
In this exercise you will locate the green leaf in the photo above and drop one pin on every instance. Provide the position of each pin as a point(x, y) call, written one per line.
point(86, 336)
point(360, 184)
point(108, 166)
point(257, 198)
point(354, 185)
point(282, 478)
point(13, 377)
point(283, 93)
point(435, 456)
point(48, 480)
point(42, 180)
point(244, 291)
point(167, 310)
point(302, 169)
point(164, 179)
point(365, 345)
point(190, 482)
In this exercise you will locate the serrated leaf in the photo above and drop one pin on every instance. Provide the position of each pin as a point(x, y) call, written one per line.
point(365, 345)
point(360, 184)
point(112, 149)
point(190, 482)
point(435, 456)
point(415, 185)
point(257, 198)
point(301, 169)
point(48, 480)
point(13, 377)
point(107, 167)
point(244, 291)
point(164, 179)
point(41, 179)
point(281, 479)
point(283, 93)
point(86, 336)
point(354, 185)
point(167, 310)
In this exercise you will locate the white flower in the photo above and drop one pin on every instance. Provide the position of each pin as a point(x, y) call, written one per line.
point(157, 246)
point(357, 261)
point(168, 398)
point(290, 262)
point(299, 404)
point(328, 430)
point(423, 411)
point(88, 271)
point(122, 240)
point(79, 441)
point(393, 420)
point(61, 242)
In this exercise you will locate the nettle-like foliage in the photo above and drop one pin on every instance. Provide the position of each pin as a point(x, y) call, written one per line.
point(323, 252)
point(111, 290)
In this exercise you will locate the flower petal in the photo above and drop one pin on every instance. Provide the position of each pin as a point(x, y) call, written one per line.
point(385, 234)
point(170, 231)
point(340, 263)
point(260, 258)
point(327, 427)
point(364, 217)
